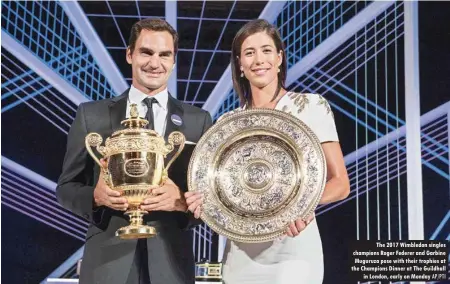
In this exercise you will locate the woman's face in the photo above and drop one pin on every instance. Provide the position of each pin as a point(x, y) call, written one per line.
point(260, 60)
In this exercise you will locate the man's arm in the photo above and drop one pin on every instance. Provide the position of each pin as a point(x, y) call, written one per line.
point(192, 221)
point(75, 185)
point(208, 122)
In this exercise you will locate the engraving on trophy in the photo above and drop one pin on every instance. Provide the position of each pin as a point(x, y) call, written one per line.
point(95, 139)
point(253, 177)
point(258, 175)
point(257, 170)
point(214, 271)
point(136, 167)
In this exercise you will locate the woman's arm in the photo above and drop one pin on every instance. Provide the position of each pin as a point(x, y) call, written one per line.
point(338, 184)
point(337, 187)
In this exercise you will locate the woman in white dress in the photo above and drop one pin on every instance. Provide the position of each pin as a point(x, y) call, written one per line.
point(259, 72)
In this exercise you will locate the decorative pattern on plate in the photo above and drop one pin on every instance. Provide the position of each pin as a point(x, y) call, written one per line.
point(258, 170)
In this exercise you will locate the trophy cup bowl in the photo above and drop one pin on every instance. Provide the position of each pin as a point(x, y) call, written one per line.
point(135, 166)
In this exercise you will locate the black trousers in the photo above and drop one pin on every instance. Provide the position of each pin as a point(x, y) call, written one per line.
point(139, 270)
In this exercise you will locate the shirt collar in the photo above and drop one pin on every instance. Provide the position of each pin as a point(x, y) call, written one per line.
point(136, 96)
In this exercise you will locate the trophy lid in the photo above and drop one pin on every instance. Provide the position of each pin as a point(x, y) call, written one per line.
point(134, 137)
point(134, 121)
point(135, 125)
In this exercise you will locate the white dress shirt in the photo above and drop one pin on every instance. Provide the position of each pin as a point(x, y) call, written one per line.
point(159, 109)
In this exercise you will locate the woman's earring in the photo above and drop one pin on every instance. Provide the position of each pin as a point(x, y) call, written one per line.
point(278, 70)
point(242, 74)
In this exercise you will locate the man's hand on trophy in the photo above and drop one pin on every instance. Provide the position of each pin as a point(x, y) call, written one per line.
point(194, 202)
point(168, 197)
point(295, 228)
point(105, 196)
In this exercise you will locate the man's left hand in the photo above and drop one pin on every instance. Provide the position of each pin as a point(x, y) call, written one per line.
point(168, 197)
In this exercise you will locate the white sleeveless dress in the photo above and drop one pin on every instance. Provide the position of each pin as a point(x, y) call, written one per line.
point(286, 260)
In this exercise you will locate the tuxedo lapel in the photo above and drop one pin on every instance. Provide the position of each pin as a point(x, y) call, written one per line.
point(174, 120)
point(117, 110)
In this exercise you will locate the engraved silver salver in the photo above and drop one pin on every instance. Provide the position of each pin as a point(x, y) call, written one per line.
point(258, 170)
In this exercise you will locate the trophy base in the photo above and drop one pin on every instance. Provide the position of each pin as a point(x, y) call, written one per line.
point(136, 232)
point(136, 229)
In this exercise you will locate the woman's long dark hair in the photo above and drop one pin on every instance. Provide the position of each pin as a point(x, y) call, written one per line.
point(241, 84)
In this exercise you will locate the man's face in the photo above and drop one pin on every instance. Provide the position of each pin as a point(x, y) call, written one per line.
point(152, 61)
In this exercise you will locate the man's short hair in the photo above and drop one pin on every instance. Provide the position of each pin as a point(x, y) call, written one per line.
point(157, 25)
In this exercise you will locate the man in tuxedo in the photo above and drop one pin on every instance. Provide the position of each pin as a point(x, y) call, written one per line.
point(168, 257)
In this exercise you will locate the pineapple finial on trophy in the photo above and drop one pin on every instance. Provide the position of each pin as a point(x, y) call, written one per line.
point(134, 113)
point(134, 121)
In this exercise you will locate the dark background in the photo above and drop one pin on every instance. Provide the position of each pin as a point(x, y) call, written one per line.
point(31, 250)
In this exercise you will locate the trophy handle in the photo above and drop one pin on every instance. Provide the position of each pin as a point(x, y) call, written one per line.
point(175, 138)
point(94, 140)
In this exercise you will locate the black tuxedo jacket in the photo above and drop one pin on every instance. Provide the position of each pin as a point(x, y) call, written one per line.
point(108, 259)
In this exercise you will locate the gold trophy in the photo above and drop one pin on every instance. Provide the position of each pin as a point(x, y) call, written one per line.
point(135, 165)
